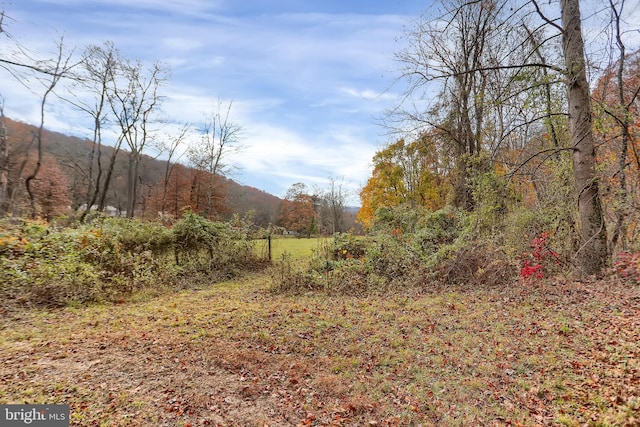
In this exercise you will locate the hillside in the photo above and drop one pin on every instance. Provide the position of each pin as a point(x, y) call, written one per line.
point(72, 154)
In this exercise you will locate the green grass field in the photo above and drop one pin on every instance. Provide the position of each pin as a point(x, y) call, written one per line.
point(296, 248)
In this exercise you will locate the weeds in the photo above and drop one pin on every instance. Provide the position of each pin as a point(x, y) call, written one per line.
point(234, 353)
point(112, 258)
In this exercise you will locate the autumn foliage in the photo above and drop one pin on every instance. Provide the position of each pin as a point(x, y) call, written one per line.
point(297, 212)
point(404, 174)
point(539, 261)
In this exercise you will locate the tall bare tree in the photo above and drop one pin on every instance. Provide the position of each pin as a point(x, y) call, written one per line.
point(336, 199)
point(4, 162)
point(4, 146)
point(99, 69)
point(220, 138)
point(55, 71)
point(133, 101)
point(170, 146)
point(617, 96)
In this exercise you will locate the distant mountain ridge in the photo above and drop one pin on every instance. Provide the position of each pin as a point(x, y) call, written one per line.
point(71, 151)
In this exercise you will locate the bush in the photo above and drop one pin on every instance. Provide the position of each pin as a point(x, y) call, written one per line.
point(217, 249)
point(42, 265)
point(540, 261)
point(348, 246)
point(111, 258)
point(393, 257)
point(438, 229)
point(286, 277)
point(628, 266)
point(476, 264)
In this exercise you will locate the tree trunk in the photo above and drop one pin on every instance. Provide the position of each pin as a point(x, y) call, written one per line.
point(4, 165)
point(94, 185)
point(132, 183)
point(107, 180)
point(592, 255)
point(39, 136)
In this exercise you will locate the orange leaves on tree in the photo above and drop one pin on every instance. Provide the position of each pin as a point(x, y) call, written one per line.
point(404, 173)
point(297, 212)
point(51, 189)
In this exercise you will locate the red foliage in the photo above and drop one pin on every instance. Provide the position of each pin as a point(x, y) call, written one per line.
point(628, 266)
point(534, 263)
point(50, 188)
point(297, 212)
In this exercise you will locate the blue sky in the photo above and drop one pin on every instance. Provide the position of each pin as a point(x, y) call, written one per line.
point(307, 78)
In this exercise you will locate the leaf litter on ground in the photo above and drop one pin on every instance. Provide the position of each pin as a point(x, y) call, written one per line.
point(558, 353)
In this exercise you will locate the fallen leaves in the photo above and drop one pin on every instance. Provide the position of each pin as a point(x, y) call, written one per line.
point(237, 355)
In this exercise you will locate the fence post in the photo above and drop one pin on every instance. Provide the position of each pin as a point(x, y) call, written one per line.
point(269, 246)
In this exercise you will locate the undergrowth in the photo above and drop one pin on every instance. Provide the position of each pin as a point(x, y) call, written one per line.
point(111, 258)
point(408, 248)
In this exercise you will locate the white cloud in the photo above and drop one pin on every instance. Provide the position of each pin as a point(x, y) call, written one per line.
point(304, 86)
point(274, 152)
point(368, 94)
point(181, 6)
point(181, 44)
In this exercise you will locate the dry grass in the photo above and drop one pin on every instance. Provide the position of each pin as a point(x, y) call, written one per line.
point(235, 354)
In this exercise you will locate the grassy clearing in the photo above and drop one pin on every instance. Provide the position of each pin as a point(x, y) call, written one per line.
point(296, 248)
point(236, 354)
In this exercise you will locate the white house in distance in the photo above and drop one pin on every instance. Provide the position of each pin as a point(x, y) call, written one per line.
point(108, 210)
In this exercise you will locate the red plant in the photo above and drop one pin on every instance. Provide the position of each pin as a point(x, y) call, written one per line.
point(534, 263)
point(628, 265)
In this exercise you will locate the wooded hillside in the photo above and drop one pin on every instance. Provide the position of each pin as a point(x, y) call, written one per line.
point(62, 181)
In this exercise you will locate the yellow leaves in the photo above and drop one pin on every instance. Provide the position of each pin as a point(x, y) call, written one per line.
point(404, 173)
point(12, 244)
point(84, 242)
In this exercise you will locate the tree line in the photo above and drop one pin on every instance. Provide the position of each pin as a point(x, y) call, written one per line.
point(122, 98)
point(499, 118)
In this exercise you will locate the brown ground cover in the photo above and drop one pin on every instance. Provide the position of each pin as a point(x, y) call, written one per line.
point(235, 354)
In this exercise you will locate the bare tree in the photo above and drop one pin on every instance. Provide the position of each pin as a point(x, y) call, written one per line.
point(4, 161)
point(220, 138)
point(133, 101)
point(170, 147)
point(618, 95)
point(336, 199)
point(56, 70)
point(99, 63)
point(4, 147)
point(48, 74)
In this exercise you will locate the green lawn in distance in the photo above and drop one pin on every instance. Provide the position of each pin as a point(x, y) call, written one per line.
point(297, 248)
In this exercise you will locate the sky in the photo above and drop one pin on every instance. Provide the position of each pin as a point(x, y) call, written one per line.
point(308, 79)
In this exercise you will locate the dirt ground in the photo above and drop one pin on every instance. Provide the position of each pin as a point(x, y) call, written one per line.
point(236, 355)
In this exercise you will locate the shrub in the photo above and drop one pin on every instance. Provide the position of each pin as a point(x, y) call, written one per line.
point(398, 254)
point(627, 266)
point(437, 230)
point(475, 264)
point(110, 258)
point(286, 277)
point(41, 265)
point(216, 249)
point(539, 261)
point(348, 246)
